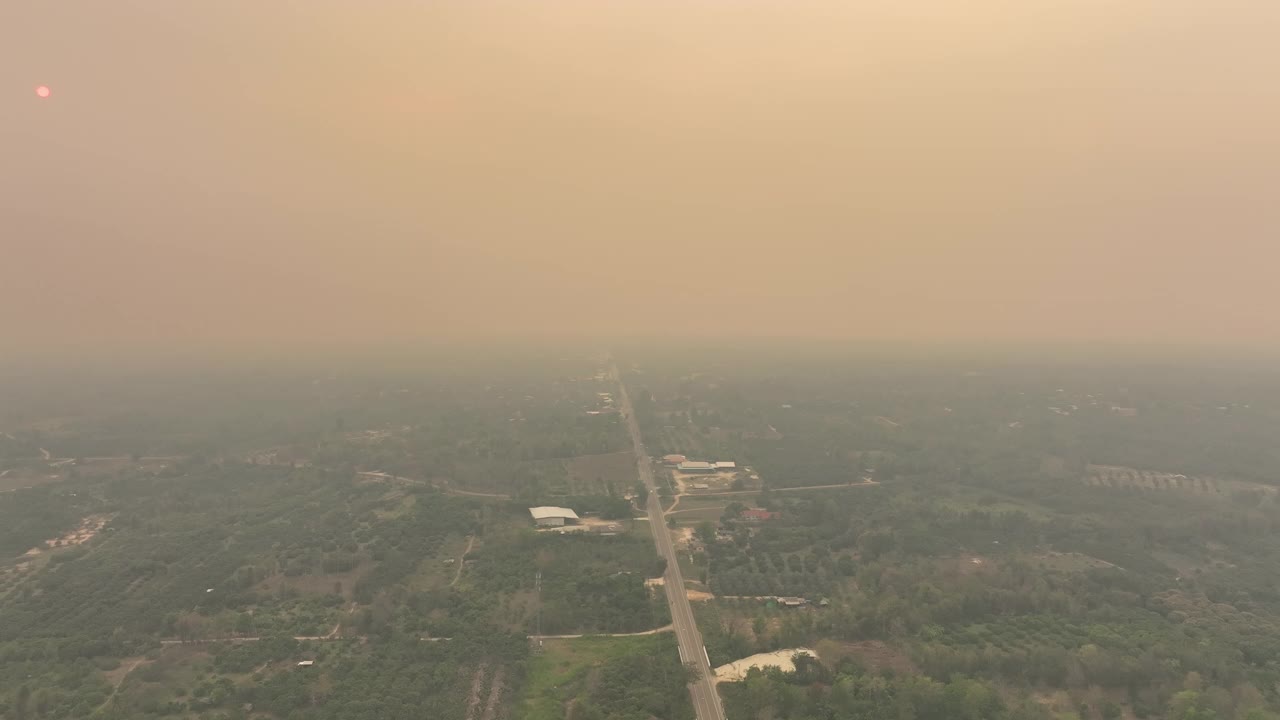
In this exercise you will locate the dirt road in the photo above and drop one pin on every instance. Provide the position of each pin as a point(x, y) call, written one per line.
point(655, 631)
point(471, 539)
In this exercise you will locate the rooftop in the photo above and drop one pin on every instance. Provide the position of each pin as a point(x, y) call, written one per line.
point(548, 511)
point(695, 465)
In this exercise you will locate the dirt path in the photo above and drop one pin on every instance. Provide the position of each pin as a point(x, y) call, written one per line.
point(471, 539)
point(495, 694)
point(469, 493)
point(703, 509)
point(864, 483)
point(655, 631)
point(473, 698)
point(117, 677)
point(141, 458)
point(333, 636)
point(47, 455)
point(680, 495)
point(442, 485)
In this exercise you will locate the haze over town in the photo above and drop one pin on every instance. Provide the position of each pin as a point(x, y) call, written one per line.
point(231, 174)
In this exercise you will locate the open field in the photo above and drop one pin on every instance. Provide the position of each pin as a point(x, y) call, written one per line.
point(611, 473)
point(959, 498)
point(564, 673)
point(694, 483)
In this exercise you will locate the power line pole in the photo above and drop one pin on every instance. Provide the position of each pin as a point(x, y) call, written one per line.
point(537, 586)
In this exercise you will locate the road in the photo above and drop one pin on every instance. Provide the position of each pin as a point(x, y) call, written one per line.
point(706, 701)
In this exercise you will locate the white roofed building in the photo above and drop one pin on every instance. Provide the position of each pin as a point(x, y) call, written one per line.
point(693, 466)
point(550, 516)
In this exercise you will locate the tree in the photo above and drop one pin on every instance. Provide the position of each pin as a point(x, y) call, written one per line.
point(706, 532)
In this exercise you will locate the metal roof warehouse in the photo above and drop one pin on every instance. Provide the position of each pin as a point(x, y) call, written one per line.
point(551, 516)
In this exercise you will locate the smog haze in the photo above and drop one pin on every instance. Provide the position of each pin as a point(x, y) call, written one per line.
point(289, 172)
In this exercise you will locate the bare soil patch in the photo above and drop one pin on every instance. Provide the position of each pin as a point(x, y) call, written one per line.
point(781, 659)
point(83, 533)
point(127, 665)
point(473, 696)
point(495, 694)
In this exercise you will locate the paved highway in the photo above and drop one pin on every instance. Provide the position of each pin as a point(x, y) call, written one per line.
point(706, 701)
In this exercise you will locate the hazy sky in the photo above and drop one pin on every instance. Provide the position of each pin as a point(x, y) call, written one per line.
point(244, 170)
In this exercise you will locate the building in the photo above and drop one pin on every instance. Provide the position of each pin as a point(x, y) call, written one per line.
point(696, 466)
point(791, 602)
point(548, 516)
point(699, 486)
point(673, 459)
point(306, 663)
point(726, 465)
point(757, 515)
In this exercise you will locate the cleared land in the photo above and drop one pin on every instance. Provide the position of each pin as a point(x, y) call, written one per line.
point(601, 474)
point(784, 660)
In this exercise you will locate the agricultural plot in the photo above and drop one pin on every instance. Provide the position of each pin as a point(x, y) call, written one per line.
point(682, 439)
point(1117, 477)
point(608, 474)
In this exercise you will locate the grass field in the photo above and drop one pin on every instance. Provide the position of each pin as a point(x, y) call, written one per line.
point(597, 474)
point(566, 669)
point(681, 438)
point(965, 499)
point(688, 515)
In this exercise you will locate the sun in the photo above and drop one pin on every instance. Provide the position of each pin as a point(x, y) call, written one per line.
point(43, 91)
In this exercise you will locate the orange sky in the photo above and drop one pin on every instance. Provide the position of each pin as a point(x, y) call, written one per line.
point(326, 170)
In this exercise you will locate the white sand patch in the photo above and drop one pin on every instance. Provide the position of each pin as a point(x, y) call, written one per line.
point(781, 659)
